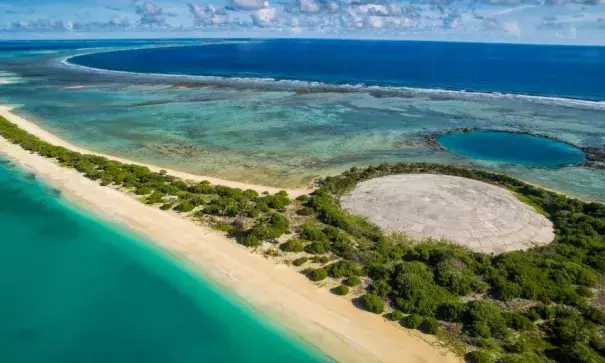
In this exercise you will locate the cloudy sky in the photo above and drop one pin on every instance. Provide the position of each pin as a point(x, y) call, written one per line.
point(541, 21)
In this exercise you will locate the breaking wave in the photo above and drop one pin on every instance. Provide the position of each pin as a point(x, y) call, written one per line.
point(321, 87)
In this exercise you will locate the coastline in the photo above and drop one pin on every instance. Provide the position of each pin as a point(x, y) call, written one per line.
point(32, 128)
point(329, 322)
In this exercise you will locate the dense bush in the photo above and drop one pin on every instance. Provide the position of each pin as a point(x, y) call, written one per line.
point(352, 281)
point(413, 321)
point(484, 319)
point(479, 356)
point(429, 326)
point(395, 315)
point(300, 261)
point(372, 303)
point(292, 245)
point(313, 233)
point(317, 274)
point(341, 290)
point(343, 268)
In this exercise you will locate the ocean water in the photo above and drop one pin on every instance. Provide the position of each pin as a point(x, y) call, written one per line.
point(545, 70)
point(287, 132)
point(77, 290)
point(506, 147)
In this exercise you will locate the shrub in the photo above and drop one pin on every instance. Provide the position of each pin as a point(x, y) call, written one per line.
point(372, 303)
point(166, 206)
point(595, 315)
point(213, 209)
point(303, 198)
point(452, 311)
point(380, 288)
point(415, 294)
point(184, 207)
point(277, 201)
point(343, 268)
point(352, 281)
point(429, 326)
point(517, 321)
point(312, 233)
point(395, 315)
point(479, 356)
point(292, 245)
point(317, 248)
point(306, 211)
point(250, 240)
point(300, 261)
point(341, 290)
point(483, 319)
point(154, 198)
point(584, 291)
point(317, 274)
point(143, 190)
point(413, 321)
point(577, 353)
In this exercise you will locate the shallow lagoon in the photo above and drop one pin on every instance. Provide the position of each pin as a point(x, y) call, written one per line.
point(510, 147)
point(284, 137)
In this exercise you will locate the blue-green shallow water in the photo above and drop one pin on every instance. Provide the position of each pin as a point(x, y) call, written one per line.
point(272, 136)
point(508, 147)
point(74, 289)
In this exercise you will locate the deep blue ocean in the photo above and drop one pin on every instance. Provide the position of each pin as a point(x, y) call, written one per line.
point(541, 70)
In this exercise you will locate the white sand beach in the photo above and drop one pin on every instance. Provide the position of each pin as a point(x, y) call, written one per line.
point(323, 319)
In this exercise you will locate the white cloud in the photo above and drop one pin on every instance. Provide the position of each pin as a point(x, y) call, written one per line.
point(264, 17)
point(309, 6)
point(249, 4)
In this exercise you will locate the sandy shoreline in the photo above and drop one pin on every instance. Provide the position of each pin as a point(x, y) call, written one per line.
point(32, 128)
point(327, 321)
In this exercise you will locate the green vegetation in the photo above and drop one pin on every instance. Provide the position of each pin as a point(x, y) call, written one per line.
point(413, 321)
point(395, 315)
point(524, 306)
point(300, 261)
point(429, 326)
point(317, 274)
point(372, 303)
point(292, 245)
point(352, 281)
point(341, 290)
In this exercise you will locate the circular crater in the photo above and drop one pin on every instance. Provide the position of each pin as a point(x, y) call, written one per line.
point(511, 147)
point(475, 214)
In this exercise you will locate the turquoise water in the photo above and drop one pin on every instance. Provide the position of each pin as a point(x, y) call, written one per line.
point(78, 290)
point(508, 147)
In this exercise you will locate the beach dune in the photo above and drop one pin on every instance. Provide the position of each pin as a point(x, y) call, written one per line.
point(331, 323)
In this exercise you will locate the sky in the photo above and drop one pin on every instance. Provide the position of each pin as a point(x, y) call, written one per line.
point(523, 21)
